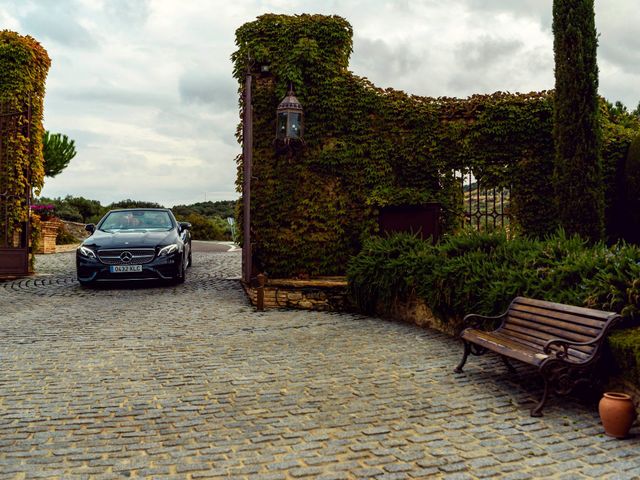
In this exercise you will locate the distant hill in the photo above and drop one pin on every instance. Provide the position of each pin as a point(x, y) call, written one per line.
point(79, 209)
point(222, 209)
point(208, 219)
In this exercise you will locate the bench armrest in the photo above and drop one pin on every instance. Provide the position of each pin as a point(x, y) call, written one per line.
point(566, 344)
point(563, 354)
point(474, 320)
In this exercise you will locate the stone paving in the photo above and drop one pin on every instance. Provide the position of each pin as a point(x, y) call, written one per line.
point(189, 381)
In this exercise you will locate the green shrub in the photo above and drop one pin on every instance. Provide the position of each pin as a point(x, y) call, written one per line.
point(483, 272)
point(625, 347)
point(70, 213)
point(222, 209)
point(76, 209)
point(385, 269)
point(616, 284)
point(64, 237)
point(203, 228)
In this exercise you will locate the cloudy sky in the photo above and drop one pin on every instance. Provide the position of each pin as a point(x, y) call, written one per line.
point(145, 87)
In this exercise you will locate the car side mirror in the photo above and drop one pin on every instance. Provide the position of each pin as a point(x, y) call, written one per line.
point(185, 226)
point(90, 227)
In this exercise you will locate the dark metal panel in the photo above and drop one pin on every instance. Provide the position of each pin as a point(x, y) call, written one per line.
point(421, 219)
point(14, 261)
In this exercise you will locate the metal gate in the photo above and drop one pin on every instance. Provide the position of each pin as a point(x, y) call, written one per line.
point(485, 208)
point(14, 237)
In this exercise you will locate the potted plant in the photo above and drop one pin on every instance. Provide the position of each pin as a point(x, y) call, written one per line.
point(617, 413)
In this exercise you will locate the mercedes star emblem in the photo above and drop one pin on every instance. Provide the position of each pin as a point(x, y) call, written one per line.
point(126, 256)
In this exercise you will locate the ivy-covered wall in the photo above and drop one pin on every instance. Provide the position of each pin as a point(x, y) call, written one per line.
point(24, 65)
point(368, 147)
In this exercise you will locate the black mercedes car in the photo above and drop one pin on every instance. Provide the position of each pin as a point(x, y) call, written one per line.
point(135, 244)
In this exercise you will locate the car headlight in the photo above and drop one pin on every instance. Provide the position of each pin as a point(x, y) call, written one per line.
point(168, 250)
point(86, 252)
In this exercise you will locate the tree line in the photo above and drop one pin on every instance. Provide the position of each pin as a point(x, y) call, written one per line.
point(208, 219)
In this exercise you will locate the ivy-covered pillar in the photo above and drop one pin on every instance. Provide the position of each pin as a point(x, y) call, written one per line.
point(24, 65)
point(578, 171)
point(298, 209)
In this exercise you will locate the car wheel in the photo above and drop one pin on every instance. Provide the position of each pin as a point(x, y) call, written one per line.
point(182, 273)
point(190, 259)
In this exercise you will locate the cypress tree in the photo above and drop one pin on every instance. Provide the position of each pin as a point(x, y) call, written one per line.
point(631, 210)
point(578, 176)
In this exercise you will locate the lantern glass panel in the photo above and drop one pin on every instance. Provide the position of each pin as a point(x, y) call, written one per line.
point(295, 121)
point(282, 125)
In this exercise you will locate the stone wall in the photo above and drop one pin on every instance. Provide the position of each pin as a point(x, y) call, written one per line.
point(323, 294)
point(415, 310)
point(49, 232)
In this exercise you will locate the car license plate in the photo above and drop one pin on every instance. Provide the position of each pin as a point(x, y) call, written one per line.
point(125, 268)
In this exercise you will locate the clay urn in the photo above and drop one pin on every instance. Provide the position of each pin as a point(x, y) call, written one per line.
point(617, 414)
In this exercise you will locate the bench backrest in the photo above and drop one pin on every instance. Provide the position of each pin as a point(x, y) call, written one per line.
point(534, 322)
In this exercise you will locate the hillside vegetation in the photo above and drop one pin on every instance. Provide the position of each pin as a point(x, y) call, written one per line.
point(208, 219)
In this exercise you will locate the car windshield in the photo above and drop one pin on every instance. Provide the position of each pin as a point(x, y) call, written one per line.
point(137, 220)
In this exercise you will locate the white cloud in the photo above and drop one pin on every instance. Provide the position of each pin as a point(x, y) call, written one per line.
point(145, 86)
point(8, 22)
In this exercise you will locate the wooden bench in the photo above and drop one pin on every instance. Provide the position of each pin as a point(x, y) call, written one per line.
point(562, 341)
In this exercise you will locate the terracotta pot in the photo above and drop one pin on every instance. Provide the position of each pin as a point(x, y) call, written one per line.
point(617, 414)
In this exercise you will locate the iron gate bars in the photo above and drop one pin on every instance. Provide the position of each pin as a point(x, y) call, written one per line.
point(484, 208)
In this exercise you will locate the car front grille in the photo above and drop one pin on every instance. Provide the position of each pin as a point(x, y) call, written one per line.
point(138, 256)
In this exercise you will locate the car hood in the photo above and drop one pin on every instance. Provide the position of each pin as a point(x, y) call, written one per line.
point(130, 239)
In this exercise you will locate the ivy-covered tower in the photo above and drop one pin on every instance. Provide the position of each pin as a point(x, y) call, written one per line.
point(578, 172)
point(24, 65)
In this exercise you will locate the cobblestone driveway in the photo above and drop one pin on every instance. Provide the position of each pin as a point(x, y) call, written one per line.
point(190, 382)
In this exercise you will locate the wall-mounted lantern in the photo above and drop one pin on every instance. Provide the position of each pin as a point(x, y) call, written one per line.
point(289, 119)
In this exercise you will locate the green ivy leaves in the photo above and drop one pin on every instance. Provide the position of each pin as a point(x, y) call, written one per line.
point(23, 70)
point(368, 147)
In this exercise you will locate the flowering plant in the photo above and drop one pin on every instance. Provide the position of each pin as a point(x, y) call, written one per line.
point(44, 211)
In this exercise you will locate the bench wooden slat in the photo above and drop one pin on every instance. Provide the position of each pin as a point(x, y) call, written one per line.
point(548, 332)
point(506, 347)
point(585, 350)
point(577, 353)
point(561, 307)
point(560, 324)
point(542, 336)
point(554, 314)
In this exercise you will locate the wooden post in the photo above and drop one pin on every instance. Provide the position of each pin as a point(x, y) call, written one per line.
point(260, 293)
point(247, 153)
